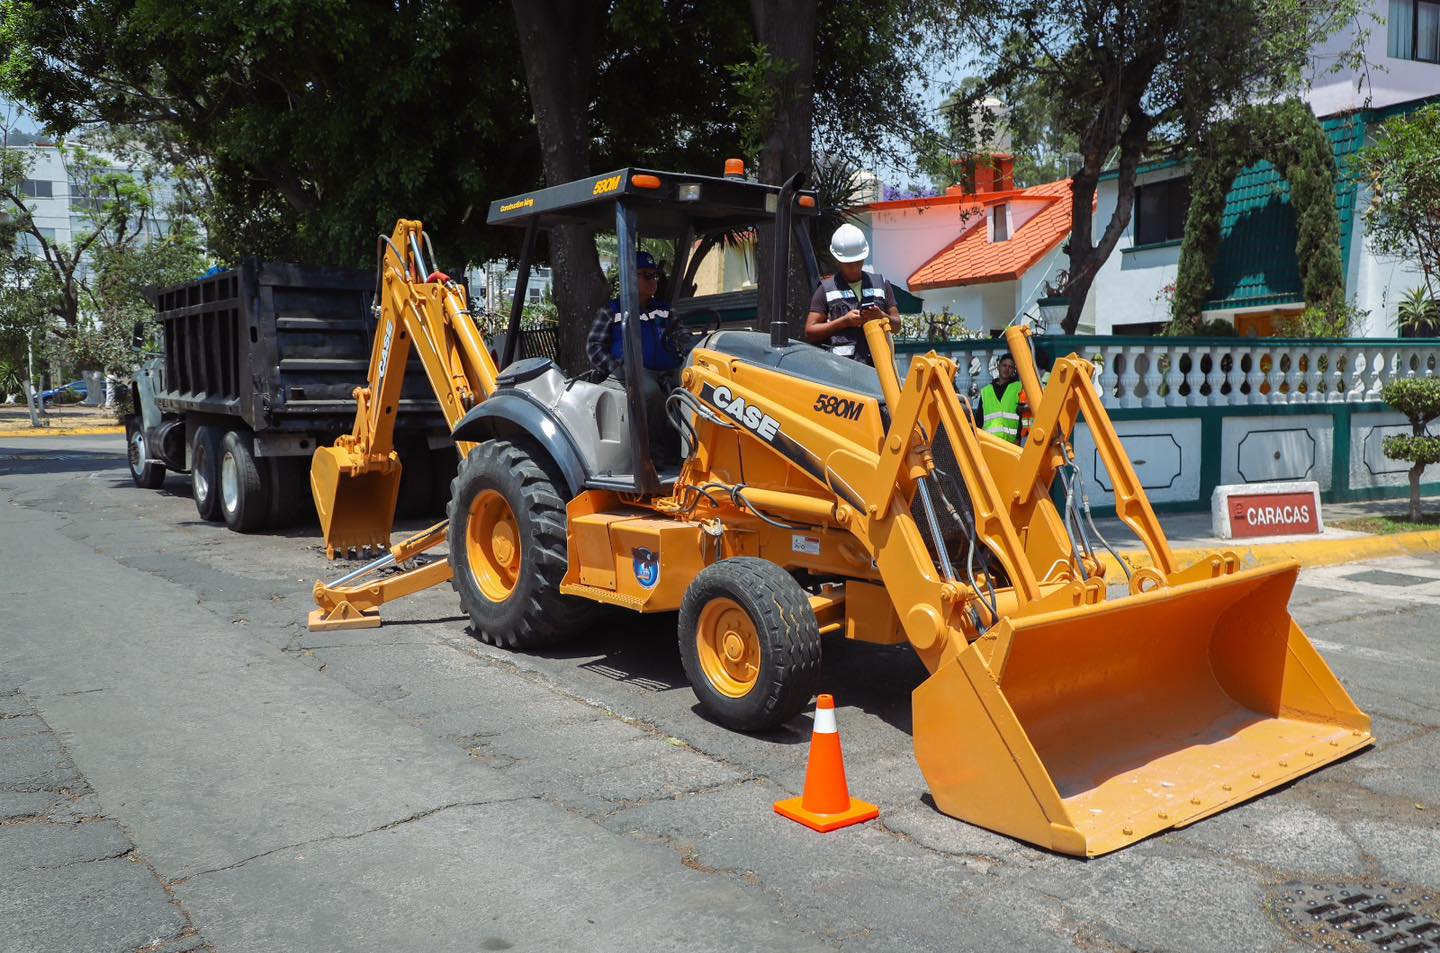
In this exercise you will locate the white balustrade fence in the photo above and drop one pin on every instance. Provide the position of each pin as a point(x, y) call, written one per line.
point(1211, 372)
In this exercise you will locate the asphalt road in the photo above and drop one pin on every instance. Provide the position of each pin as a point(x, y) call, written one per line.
point(184, 766)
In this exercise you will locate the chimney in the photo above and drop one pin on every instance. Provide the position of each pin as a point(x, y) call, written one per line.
point(994, 172)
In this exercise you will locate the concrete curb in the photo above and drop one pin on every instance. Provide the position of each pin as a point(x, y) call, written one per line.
point(1318, 552)
point(62, 432)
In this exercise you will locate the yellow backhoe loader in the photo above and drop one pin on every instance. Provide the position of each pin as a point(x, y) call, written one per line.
point(819, 497)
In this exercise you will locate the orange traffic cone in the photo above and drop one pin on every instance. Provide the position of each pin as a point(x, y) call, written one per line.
point(826, 804)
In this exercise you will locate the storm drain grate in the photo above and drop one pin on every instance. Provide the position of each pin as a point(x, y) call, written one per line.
point(1383, 915)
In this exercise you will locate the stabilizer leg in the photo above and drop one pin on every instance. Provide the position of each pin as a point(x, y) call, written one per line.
point(352, 602)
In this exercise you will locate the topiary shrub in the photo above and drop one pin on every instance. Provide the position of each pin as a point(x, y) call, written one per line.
point(1418, 400)
point(1288, 135)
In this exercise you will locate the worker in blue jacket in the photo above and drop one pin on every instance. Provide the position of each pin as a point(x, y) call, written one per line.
point(605, 345)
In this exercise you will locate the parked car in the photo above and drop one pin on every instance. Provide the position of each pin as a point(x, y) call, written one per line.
point(75, 388)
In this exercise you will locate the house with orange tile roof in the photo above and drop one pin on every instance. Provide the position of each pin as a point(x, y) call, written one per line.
point(985, 255)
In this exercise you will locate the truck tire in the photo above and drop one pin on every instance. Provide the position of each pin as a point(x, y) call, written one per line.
point(147, 474)
point(244, 487)
point(205, 472)
point(507, 547)
point(289, 490)
point(749, 643)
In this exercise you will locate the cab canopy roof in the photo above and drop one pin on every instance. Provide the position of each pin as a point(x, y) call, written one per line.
point(666, 203)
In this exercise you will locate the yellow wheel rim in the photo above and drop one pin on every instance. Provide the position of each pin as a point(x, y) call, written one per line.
point(729, 648)
point(492, 542)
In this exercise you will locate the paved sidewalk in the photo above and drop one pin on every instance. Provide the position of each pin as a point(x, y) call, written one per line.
point(1190, 535)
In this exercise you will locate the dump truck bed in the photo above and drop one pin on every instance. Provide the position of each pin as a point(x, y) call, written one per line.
point(281, 346)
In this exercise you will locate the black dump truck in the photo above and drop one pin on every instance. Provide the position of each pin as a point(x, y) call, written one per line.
point(254, 368)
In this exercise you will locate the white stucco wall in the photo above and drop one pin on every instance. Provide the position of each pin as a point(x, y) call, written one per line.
point(1032, 282)
point(1128, 287)
point(1021, 211)
point(981, 306)
point(1386, 82)
point(901, 240)
point(1377, 284)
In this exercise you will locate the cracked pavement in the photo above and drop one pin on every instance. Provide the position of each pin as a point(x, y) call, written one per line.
point(165, 713)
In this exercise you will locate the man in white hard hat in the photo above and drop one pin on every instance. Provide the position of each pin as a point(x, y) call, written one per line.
point(850, 297)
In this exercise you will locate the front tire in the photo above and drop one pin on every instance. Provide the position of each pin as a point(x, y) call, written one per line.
point(749, 643)
point(244, 489)
point(205, 472)
point(508, 545)
point(147, 474)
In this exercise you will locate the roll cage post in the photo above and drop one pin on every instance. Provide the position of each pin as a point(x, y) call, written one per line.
point(522, 283)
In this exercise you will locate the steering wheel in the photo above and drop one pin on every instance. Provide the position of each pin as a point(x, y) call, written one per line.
point(683, 337)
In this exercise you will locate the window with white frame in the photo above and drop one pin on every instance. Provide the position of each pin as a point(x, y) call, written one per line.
point(1413, 29)
point(999, 224)
point(37, 188)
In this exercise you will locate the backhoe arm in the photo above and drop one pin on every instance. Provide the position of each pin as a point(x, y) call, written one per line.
point(356, 482)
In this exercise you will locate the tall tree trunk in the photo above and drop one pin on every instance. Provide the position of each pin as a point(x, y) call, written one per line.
point(557, 44)
point(1086, 255)
point(1415, 471)
point(787, 29)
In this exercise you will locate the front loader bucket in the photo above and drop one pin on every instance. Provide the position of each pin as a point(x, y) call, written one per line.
point(356, 510)
point(1091, 728)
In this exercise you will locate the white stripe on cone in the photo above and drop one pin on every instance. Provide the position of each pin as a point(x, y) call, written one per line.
point(825, 721)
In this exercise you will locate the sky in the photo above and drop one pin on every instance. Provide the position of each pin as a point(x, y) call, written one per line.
point(940, 78)
point(16, 118)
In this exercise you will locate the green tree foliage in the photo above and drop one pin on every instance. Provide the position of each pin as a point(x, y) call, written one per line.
point(1402, 168)
point(1288, 135)
point(1043, 148)
point(1419, 400)
point(318, 122)
point(76, 300)
point(306, 127)
point(1418, 314)
point(1129, 78)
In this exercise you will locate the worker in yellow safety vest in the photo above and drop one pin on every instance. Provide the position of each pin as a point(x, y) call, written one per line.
point(1003, 410)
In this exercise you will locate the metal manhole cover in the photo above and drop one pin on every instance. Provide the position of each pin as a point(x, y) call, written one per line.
point(1381, 577)
point(1379, 915)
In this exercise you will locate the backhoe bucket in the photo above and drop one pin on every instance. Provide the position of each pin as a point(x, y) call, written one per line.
point(356, 510)
point(1087, 729)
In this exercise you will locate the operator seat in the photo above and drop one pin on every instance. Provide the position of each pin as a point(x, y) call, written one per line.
point(798, 359)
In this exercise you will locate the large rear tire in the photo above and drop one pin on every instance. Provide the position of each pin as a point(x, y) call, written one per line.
point(507, 547)
point(244, 487)
point(205, 472)
point(749, 643)
point(147, 474)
